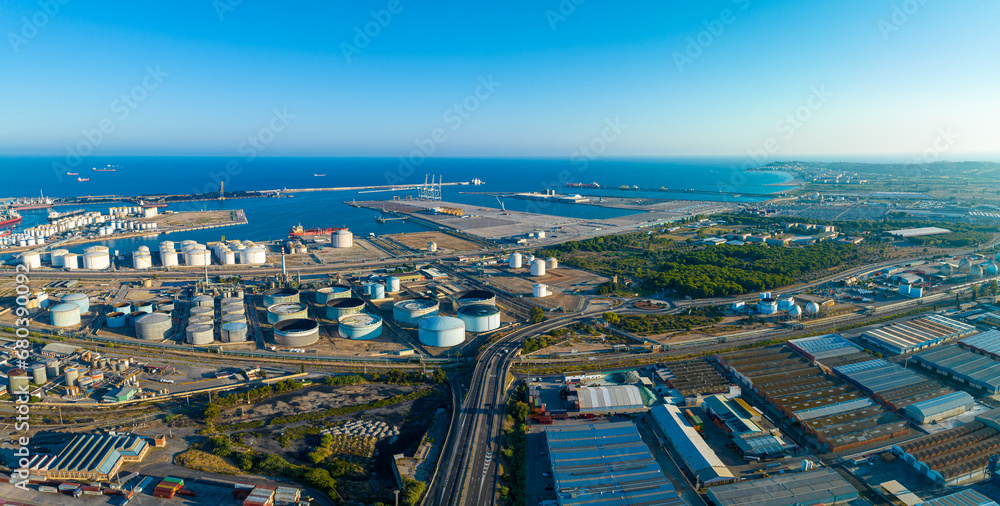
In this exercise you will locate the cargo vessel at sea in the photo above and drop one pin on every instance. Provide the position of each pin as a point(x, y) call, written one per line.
point(298, 231)
point(583, 185)
point(109, 168)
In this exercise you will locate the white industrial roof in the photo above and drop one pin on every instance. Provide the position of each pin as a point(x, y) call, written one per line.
point(916, 232)
point(610, 397)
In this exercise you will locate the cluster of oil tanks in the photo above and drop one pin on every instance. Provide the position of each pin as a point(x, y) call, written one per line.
point(537, 266)
point(476, 309)
point(93, 258)
point(289, 318)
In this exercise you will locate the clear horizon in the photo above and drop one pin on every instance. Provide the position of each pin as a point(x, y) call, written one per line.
point(826, 81)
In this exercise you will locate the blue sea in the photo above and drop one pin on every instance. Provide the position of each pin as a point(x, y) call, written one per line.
point(270, 218)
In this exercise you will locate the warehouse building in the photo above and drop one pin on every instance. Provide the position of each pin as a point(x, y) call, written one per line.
point(987, 343)
point(90, 457)
point(736, 419)
point(917, 334)
point(700, 460)
point(957, 455)
point(835, 413)
point(828, 351)
point(606, 464)
point(609, 399)
point(892, 385)
point(939, 408)
point(693, 377)
point(120, 394)
point(967, 497)
point(963, 366)
point(822, 486)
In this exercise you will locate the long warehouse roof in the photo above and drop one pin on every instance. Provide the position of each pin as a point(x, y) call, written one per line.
point(610, 397)
point(917, 332)
point(988, 342)
point(607, 464)
point(812, 487)
point(976, 367)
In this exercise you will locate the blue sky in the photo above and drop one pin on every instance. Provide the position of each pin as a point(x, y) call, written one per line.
point(866, 78)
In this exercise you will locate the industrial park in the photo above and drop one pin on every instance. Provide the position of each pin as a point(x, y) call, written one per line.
point(557, 253)
point(489, 320)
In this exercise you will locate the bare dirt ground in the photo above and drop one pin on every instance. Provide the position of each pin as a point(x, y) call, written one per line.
point(419, 240)
point(190, 219)
point(319, 397)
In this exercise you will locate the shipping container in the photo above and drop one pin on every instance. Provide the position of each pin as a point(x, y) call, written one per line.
point(48, 489)
point(543, 419)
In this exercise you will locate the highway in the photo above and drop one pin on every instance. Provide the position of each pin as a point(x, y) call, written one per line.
point(467, 472)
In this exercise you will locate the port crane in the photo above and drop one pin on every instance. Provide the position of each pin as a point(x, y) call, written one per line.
point(502, 208)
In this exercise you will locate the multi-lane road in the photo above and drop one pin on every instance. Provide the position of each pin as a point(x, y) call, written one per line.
point(467, 473)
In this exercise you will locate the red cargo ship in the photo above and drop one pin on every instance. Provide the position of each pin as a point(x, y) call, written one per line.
point(9, 217)
point(298, 231)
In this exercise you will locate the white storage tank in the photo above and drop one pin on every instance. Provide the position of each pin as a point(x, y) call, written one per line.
point(169, 258)
point(441, 331)
point(197, 257)
point(202, 311)
point(82, 301)
point(538, 268)
point(337, 308)
point(812, 308)
point(515, 260)
point(146, 306)
point(122, 307)
point(289, 311)
point(378, 291)
point(551, 263)
point(392, 284)
point(32, 260)
point(480, 317)
point(328, 293)
point(235, 332)
point(367, 288)
point(767, 306)
point(432, 246)
point(38, 375)
point(200, 334)
point(411, 311)
point(65, 315)
point(71, 261)
point(153, 327)
point(359, 326)
point(785, 302)
point(795, 312)
point(96, 260)
point(281, 296)
point(239, 309)
point(70, 376)
point(296, 332)
point(233, 317)
point(52, 368)
point(203, 301)
point(475, 297)
point(342, 239)
point(56, 257)
point(539, 290)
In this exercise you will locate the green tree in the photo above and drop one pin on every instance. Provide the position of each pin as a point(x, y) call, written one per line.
point(611, 318)
point(440, 376)
point(212, 412)
point(536, 314)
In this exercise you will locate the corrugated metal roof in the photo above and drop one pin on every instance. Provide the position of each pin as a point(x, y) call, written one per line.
point(609, 398)
point(963, 498)
point(830, 345)
point(606, 464)
point(980, 369)
point(879, 375)
point(920, 332)
point(689, 444)
point(813, 487)
point(942, 404)
point(988, 342)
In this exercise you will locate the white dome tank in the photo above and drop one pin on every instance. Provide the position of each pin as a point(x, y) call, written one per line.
point(342, 239)
point(515, 260)
point(411, 311)
point(441, 331)
point(538, 268)
point(480, 317)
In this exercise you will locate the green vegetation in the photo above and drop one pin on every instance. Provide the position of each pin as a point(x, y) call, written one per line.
point(514, 449)
point(537, 314)
point(717, 271)
point(353, 379)
point(659, 324)
point(413, 490)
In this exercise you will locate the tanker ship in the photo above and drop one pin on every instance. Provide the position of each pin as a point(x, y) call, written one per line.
point(298, 231)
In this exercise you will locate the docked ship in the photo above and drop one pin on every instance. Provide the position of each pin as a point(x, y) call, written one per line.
point(109, 168)
point(298, 231)
point(9, 217)
point(583, 185)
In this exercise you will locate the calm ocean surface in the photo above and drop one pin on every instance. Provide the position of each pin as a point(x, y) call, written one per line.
point(270, 218)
